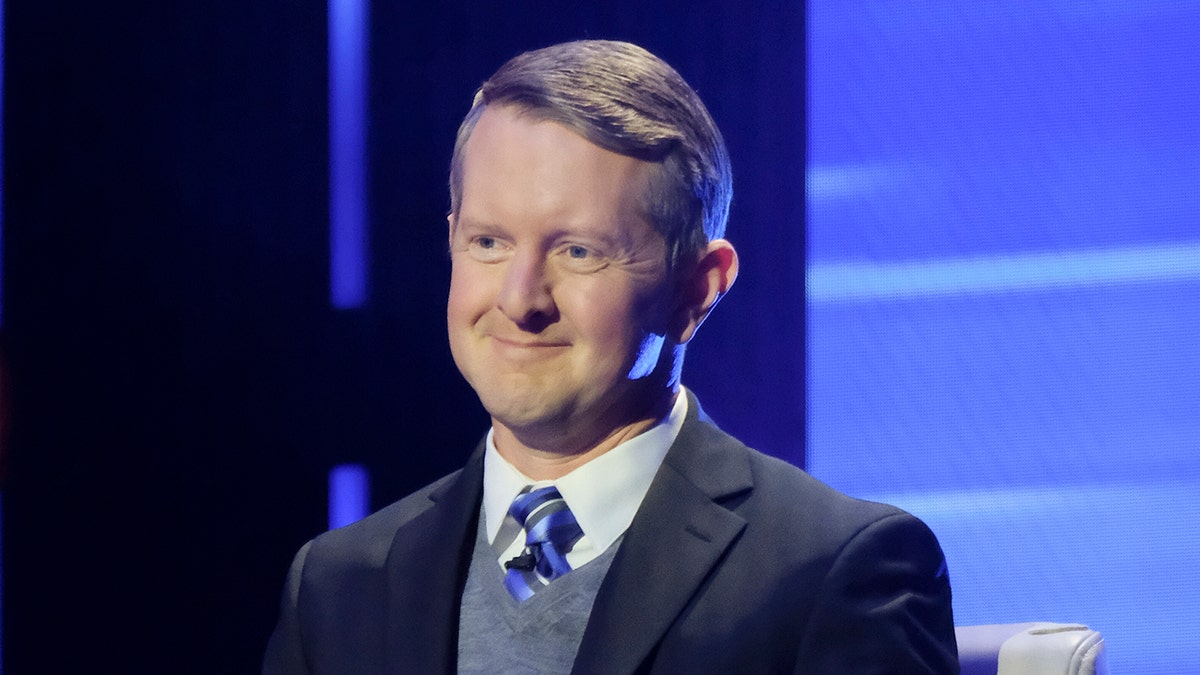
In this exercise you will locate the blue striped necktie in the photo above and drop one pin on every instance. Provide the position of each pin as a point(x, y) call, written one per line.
point(550, 533)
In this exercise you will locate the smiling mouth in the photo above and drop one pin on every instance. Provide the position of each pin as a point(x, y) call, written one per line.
point(527, 344)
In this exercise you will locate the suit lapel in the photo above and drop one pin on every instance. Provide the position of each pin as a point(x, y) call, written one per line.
point(426, 571)
point(679, 535)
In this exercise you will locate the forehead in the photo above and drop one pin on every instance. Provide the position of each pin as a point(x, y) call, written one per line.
point(517, 161)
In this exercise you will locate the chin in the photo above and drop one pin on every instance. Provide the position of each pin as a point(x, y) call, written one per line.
point(517, 410)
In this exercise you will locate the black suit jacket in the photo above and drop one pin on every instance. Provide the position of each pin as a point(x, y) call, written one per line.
point(735, 563)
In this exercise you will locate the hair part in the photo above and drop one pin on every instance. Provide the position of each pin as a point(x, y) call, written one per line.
point(628, 101)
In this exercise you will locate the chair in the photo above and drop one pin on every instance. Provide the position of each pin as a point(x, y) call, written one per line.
point(1030, 649)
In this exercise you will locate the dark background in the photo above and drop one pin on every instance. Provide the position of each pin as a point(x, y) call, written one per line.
point(180, 385)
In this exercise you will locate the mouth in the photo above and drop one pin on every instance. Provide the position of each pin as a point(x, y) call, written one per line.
point(521, 344)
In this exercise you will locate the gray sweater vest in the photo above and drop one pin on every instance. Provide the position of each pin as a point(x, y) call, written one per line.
point(497, 634)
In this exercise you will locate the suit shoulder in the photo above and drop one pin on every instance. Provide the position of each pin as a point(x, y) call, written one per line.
point(766, 488)
point(796, 499)
point(804, 520)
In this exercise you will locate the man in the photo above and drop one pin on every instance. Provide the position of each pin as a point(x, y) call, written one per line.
point(605, 525)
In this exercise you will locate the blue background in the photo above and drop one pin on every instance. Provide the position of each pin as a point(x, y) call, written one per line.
point(1003, 324)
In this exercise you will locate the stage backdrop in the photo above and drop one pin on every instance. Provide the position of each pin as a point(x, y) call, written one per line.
point(181, 382)
point(1003, 284)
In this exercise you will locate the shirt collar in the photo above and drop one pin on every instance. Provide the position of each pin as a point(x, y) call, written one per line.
point(603, 494)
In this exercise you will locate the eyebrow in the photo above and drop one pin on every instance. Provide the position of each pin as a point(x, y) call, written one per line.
point(469, 224)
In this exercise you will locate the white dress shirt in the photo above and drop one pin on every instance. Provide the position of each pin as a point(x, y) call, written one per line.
point(603, 494)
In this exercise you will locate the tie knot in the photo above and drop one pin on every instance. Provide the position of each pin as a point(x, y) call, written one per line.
point(531, 506)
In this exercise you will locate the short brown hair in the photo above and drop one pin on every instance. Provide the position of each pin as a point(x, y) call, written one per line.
point(626, 100)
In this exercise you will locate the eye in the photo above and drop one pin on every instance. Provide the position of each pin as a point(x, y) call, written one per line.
point(486, 248)
point(583, 259)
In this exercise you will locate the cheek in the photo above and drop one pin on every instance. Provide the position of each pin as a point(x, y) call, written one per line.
point(456, 300)
point(453, 306)
point(467, 294)
point(460, 320)
point(613, 321)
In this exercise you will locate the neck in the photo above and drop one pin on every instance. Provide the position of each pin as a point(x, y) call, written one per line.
point(549, 454)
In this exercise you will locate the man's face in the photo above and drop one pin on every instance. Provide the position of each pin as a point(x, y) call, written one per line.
point(559, 296)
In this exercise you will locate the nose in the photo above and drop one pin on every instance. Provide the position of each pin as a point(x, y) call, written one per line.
point(526, 297)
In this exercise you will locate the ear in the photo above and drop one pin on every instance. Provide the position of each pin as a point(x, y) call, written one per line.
point(450, 221)
point(703, 286)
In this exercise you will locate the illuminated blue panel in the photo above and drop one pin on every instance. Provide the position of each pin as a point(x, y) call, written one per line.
point(842, 282)
point(349, 494)
point(348, 231)
point(1004, 266)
